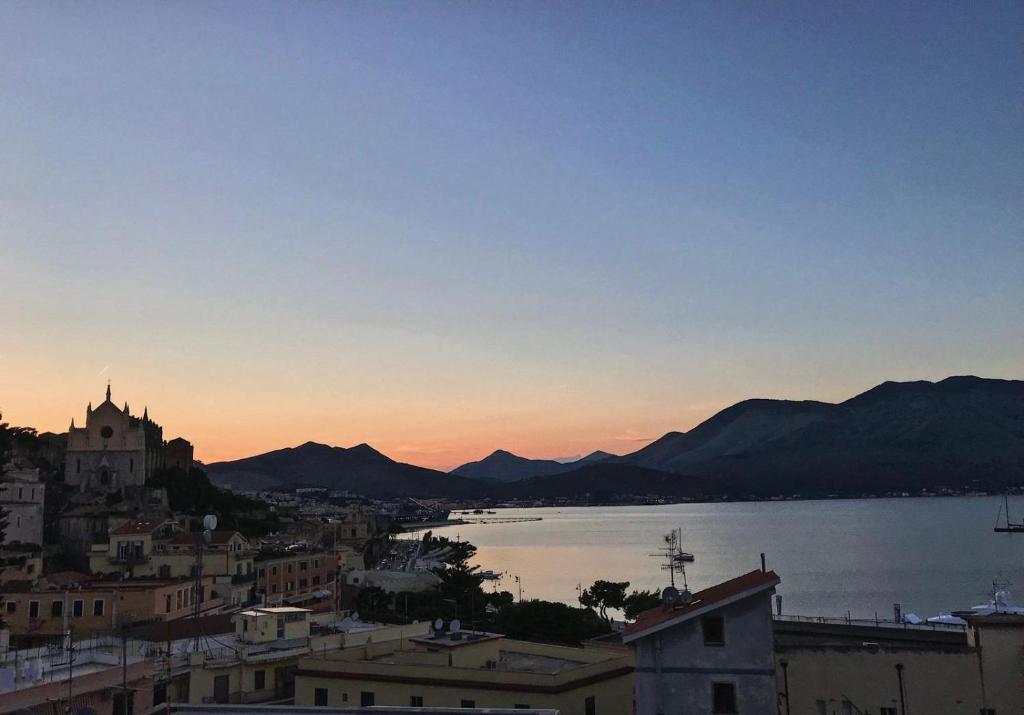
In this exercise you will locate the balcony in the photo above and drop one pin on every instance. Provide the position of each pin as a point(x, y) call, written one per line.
point(129, 559)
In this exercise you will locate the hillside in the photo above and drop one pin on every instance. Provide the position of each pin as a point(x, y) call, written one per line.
point(360, 469)
point(956, 432)
point(502, 466)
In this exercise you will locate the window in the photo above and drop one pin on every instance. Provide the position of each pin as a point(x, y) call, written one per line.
point(415, 701)
point(57, 609)
point(273, 588)
point(77, 608)
point(167, 603)
point(590, 706)
point(159, 693)
point(723, 698)
point(259, 679)
point(119, 703)
point(33, 609)
point(280, 627)
point(316, 580)
point(714, 630)
point(468, 704)
point(290, 567)
point(366, 698)
point(262, 573)
point(320, 697)
point(78, 466)
point(303, 566)
point(316, 563)
point(303, 583)
point(97, 607)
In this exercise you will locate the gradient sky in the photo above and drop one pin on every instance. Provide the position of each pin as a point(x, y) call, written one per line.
point(444, 228)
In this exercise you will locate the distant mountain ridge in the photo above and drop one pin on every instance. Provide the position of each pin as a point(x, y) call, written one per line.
point(910, 435)
point(360, 469)
point(958, 433)
point(503, 466)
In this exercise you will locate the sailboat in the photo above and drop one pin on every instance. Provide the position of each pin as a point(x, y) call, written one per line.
point(1011, 526)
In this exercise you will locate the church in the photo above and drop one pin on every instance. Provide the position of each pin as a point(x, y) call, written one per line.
point(114, 450)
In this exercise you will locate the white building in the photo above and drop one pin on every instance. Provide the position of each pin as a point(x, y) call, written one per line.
point(708, 652)
point(21, 497)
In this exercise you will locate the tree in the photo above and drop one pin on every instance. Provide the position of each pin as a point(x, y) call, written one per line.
point(548, 622)
point(604, 595)
point(640, 601)
point(373, 600)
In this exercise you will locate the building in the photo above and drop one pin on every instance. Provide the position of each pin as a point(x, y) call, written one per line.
point(42, 681)
point(708, 652)
point(162, 548)
point(462, 669)
point(43, 609)
point(179, 454)
point(113, 450)
point(21, 496)
point(255, 664)
point(298, 577)
point(182, 709)
point(829, 668)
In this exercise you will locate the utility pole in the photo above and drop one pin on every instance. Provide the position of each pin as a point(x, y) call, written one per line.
point(124, 671)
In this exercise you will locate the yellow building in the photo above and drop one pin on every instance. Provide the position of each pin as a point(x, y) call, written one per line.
point(469, 670)
point(256, 664)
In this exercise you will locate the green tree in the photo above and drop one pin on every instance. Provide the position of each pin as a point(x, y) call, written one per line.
point(548, 622)
point(604, 595)
point(373, 601)
point(639, 601)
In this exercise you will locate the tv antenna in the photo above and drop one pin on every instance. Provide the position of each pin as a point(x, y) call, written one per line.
point(675, 558)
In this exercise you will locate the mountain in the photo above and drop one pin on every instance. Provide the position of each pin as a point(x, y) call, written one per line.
point(910, 435)
point(596, 456)
point(502, 466)
point(360, 469)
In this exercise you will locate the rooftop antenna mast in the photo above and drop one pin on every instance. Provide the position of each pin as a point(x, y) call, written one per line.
point(675, 557)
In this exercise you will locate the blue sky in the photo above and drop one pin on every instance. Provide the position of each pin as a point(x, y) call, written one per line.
point(445, 228)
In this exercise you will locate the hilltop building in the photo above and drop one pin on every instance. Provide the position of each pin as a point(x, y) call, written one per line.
point(113, 450)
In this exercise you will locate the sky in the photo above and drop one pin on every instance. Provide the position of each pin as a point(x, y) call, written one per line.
point(444, 228)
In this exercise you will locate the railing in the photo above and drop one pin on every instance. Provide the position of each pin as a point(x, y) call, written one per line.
point(129, 559)
point(872, 622)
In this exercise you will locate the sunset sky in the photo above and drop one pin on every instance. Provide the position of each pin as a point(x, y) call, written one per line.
point(446, 228)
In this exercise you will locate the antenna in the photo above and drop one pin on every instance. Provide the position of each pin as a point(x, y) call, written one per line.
point(675, 557)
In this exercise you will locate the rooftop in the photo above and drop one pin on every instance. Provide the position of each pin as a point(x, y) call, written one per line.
point(720, 594)
point(455, 639)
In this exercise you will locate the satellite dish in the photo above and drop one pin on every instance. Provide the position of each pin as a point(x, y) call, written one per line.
point(355, 616)
point(438, 625)
point(210, 522)
point(670, 596)
point(346, 623)
point(455, 626)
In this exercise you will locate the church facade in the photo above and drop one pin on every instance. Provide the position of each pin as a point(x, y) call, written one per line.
point(114, 450)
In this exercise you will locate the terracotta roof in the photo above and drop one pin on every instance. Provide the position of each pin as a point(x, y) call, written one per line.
point(63, 578)
point(218, 537)
point(751, 583)
point(138, 526)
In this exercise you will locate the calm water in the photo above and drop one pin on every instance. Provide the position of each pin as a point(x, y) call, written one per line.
point(930, 554)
